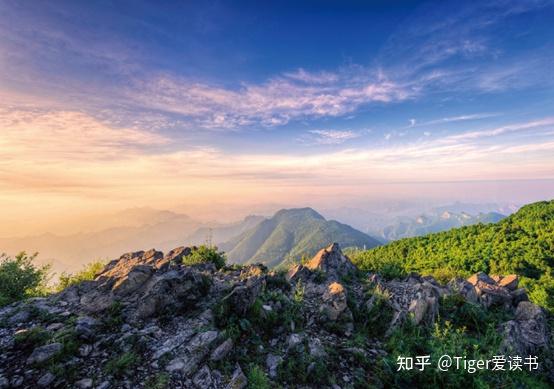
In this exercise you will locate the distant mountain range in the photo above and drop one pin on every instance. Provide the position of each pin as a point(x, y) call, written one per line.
point(291, 234)
point(138, 228)
point(407, 227)
point(285, 237)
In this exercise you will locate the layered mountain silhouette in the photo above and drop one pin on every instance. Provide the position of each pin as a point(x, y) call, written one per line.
point(407, 227)
point(291, 234)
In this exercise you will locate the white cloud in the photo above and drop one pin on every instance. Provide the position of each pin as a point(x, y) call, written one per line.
point(333, 137)
point(272, 103)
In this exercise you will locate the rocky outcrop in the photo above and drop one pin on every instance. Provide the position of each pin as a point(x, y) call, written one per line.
point(332, 262)
point(147, 316)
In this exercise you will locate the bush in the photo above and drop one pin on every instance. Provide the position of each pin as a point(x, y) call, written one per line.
point(88, 273)
point(20, 278)
point(257, 378)
point(205, 254)
point(120, 365)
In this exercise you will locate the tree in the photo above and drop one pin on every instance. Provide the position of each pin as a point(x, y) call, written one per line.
point(21, 278)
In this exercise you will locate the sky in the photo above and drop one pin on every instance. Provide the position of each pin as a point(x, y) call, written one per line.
point(108, 105)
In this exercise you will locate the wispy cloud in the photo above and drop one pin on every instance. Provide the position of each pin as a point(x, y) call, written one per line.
point(333, 137)
point(272, 103)
point(502, 130)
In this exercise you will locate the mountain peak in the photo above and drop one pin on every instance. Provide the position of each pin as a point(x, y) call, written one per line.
point(298, 212)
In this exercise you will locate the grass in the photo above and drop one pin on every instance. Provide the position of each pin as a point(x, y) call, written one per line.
point(121, 364)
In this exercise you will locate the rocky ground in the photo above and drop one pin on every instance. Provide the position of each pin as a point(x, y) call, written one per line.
point(149, 321)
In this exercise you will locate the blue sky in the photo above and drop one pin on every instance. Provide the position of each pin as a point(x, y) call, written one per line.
point(272, 100)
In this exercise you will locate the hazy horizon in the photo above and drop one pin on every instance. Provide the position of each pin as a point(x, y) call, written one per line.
point(203, 109)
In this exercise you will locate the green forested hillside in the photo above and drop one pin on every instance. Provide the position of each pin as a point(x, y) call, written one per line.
point(290, 234)
point(523, 243)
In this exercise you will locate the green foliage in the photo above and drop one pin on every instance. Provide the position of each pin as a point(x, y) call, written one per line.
point(113, 317)
point(34, 337)
point(158, 381)
point(205, 254)
point(291, 234)
point(294, 370)
point(121, 364)
point(448, 338)
point(88, 273)
point(522, 243)
point(257, 378)
point(21, 278)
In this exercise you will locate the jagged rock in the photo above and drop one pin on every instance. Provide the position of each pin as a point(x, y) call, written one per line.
point(121, 267)
point(173, 256)
point(195, 352)
point(298, 272)
point(135, 279)
point(238, 380)
point(481, 277)
point(242, 297)
point(173, 290)
point(222, 350)
point(509, 282)
point(332, 261)
point(19, 317)
point(528, 332)
point(203, 378)
point(272, 363)
point(490, 294)
point(44, 353)
point(46, 379)
point(334, 300)
point(464, 288)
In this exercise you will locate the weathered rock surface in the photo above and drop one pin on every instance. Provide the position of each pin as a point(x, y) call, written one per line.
point(147, 316)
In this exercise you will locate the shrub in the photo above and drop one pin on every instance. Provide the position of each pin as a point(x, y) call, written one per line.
point(205, 254)
point(257, 378)
point(88, 273)
point(20, 278)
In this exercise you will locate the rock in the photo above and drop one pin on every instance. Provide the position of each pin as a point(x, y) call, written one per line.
point(19, 317)
point(103, 385)
point(54, 327)
point(242, 297)
point(518, 296)
point(316, 348)
point(509, 282)
point(418, 309)
point(528, 332)
point(272, 363)
point(222, 350)
point(46, 379)
point(44, 353)
point(298, 272)
point(294, 341)
point(334, 300)
point(195, 352)
point(481, 276)
point(238, 380)
point(332, 261)
point(133, 280)
point(174, 290)
point(85, 350)
point(17, 381)
point(85, 327)
point(121, 267)
point(203, 378)
point(85, 383)
point(490, 295)
point(464, 288)
point(4, 383)
point(528, 311)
